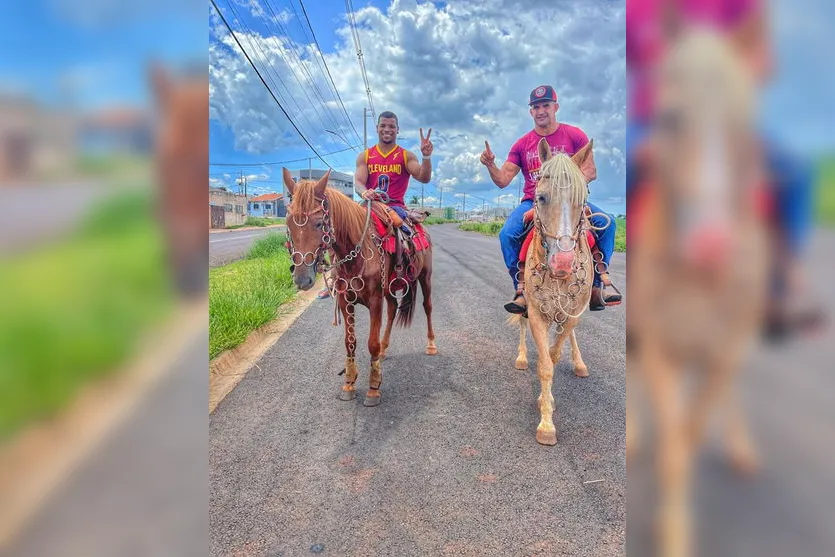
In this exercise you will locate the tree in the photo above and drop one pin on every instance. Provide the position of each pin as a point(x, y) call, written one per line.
point(414, 200)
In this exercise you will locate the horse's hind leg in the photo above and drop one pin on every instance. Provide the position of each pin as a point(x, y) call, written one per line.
point(375, 380)
point(349, 390)
point(391, 307)
point(522, 357)
point(426, 287)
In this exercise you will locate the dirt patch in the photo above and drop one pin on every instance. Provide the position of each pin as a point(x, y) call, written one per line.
point(227, 370)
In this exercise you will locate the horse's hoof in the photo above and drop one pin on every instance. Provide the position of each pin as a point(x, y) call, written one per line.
point(521, 364)
point(347, 395)
point(581, 371)
point(382, 356)
point(544, 437)
point(431, 350)
point(372, 400)
point(745, 465)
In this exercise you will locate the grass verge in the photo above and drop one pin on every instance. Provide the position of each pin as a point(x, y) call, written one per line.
point(74, 311)
point(246, 294)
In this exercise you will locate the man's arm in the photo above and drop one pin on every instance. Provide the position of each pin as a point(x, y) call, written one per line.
point(420, 171)
point(503, 176)
point(361, 177)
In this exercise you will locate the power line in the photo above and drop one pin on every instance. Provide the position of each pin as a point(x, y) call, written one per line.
point(319, 50)
point(280, 162)
point(234, 36)
point(353, 24)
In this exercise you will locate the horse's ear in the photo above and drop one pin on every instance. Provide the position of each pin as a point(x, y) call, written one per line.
point(160, 82)
point(322, 183)
point(584, 159)
point(288, 180)
point(544, 150)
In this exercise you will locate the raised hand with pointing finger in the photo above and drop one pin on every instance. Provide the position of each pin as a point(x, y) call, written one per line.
point(487, 156)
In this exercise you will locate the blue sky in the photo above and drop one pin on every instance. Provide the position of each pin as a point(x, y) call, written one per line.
point(101, 47)
point(465, 70)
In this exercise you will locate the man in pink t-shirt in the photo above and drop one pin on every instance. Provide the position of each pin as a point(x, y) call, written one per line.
point(525, 157)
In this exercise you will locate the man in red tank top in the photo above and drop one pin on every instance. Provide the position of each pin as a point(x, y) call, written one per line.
point(386, 167)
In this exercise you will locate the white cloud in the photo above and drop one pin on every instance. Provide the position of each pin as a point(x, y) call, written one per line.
point(464, 69)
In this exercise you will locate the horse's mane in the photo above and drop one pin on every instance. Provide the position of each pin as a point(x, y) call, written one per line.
point(565, 179)
point(347, 216)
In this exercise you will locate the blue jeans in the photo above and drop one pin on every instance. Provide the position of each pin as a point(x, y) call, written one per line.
point(511, 238)
point(403, 213)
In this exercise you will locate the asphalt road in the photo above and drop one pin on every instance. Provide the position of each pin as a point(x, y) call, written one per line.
point(225, 247)
point(448, 464)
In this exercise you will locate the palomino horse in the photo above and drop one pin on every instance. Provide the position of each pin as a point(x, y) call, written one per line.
point(558, 272)
point(698, 263)
point(321, 218)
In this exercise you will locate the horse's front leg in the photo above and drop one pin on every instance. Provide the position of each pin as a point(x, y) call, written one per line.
point(375, 308)
point(349, 391)
point(546, 433)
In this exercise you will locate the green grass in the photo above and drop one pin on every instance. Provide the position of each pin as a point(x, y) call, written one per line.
point(493, 229)
point(259, 221)
point(825, 193)
point(620, 236)
point(74, 311)
point(488, 228)
point(438, 220)
point(246, 294)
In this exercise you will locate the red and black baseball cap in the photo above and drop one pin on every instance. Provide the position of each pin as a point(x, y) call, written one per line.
point(543, 93)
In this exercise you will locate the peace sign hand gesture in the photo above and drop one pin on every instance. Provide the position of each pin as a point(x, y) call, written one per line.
point(426, 145)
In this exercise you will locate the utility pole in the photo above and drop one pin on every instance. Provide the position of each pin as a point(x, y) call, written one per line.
point(310, 169)
point(421, 195)
point(364, 128)
point(519, 189)
point(441, 191)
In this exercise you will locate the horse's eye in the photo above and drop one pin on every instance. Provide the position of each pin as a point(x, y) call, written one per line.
point(318, 225)
point(541, 199)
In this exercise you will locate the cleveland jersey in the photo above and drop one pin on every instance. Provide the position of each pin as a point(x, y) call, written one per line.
point(387, 172)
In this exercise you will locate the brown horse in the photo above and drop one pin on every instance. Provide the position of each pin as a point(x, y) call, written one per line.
point(182, 165)
point(558, 272)
point(698, 263)
point(321, 218)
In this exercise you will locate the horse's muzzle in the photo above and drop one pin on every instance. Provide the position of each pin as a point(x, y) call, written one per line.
point(561, 263)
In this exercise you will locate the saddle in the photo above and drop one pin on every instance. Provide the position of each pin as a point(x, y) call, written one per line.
point(388, 224)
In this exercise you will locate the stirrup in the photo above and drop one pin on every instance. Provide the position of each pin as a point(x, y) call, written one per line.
point(607, 283)
point(514, 307)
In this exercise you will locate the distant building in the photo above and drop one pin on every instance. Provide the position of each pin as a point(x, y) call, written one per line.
point(269, 205)
point(338, 180)
point(226, 208)
point(35, 142)
point(117, 130)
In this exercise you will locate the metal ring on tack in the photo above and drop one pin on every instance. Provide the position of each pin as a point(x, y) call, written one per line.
point(357, 288)
point(405, 290)
point(560, 243)
point(336, 284)
point(598, 228)
point(297, 223)
point(347, 297)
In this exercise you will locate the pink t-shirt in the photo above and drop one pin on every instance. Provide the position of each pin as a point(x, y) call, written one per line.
point(645, 40)
point(524, 153)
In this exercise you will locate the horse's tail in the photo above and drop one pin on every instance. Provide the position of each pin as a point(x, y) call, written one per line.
point(515, 320)
point(406, 308)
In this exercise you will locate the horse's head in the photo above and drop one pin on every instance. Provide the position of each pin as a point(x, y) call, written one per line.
point(707, 163)
point(560, 195)
point(308, 227)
